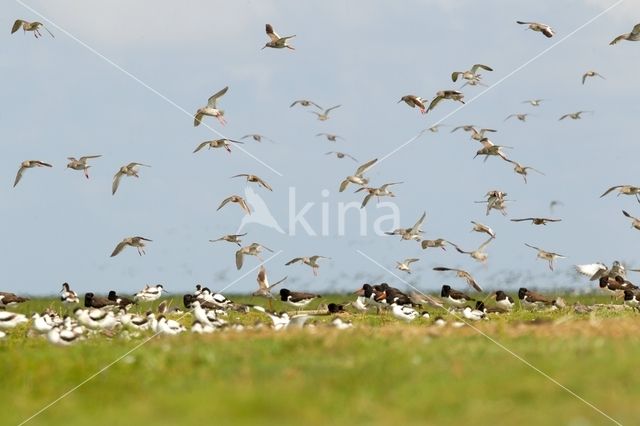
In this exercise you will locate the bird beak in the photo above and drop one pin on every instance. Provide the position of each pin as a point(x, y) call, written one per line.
point(263, 47)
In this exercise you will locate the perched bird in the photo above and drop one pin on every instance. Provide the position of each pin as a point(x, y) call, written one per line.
point(304, 103)
point(277, 42)
point(217, 143)
point(624, 190)
point(438, 242)
point(340, 155)
point(81, 163)
point(311, 261)
point(253, 249)
point(295, 298)
point(523, 170)
point(412, 233)
point(519, 116)
point(93, 301)
point(536, 220)
point(10, 299)
point(503, 300)
point(471, 74)
point(67, 295)
point(482, 228)
point(254, 179)
point(634, 35)
point(573, 115)
point(211, 109)
point(238, 200)
point(324, 116)
point(231, 238)
point(533, 102)
point(358, 177)
point(405, 265)
point(30, 26)
point(461, 274)
point(330, 136)
point(264, 288)
point(591, 73)
point(382, 191)
point(479, 254)
point(137, 242)
point(530, 299)
point(149, 293)
point(454, 297)
point(130, 169)
point(453, 95)
point(536, 26)
point(635, 222)
point(414, 101)
point(29, 164)
point(549, 256)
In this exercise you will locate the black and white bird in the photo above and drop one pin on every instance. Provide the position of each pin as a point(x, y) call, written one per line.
point(67, 295)
point(297, 299)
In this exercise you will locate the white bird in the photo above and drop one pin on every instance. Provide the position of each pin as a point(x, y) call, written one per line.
point(358, 177)
point(67, 295)
point(62, 337)
point(11, 319)
point(404, 312)
point(168, 327)
point(405, 265)
point(536, 26)
point(473, 314)
point(149, 293)
point(211, 109)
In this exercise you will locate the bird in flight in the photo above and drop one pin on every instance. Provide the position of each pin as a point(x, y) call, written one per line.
point(277, 42)
point(634, 35)
point(137, 242)
point(130, 169)
point(324, 115)
point(30, 26)
point(81, 163)
point(28, 164)
point(536, 26)
point(591, 73)
point(414, 101)
point(211, 109)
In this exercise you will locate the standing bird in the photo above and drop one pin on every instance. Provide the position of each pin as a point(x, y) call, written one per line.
point(358, 177)
point(310, 261)
point(29, 164)
point(277, 42)
point(461, 274)
point(405, 265)
point(130, 169)
point(414, 101)
point(634, 35)
point(297, 299)
point(211, 109)
point(591, 73)
point(238, 200)
point(10, 299)
point(254, 179)
point(253, 249)
point(30, 26)
point(67, 295)
point(81, 163)
point(549, 256)
point(137, 242)
point(149, 293)
point(536, 26)
point(324, 116)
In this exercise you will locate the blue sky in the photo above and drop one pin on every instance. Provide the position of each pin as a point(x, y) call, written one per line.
point(63, 100)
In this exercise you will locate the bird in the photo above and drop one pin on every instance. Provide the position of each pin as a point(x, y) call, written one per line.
point(93, 301)
point(62, 337)
point(311, 261)
point(29, 164)
point(324, 116)
point(519, 116)
point(330, 136)
point(549, 256)
point(81, 163)
point(67, 295)
point(461, 274)
point(489, 149)
point(414, 101)
point(438, 242)
point(231, 238)
point(595, 271)
point(503, 300)
point(495, 201)
point(358, 177)
point(536, 26)
point(591, 73)
point(297, 299)
point(533, 102)
point(30, 26)
point(476, 314)
point(523, 170)
point(412, 233)
point(573, 115)
point(635, 222)
point(403, 312)
point(137, 242)
point(553, 204)
point(257, 137)
point(454, 297)
point(217, 143)
point(470, 74)
point(453, 95)
point(304, 103)
point(264, 288)
point(531, 299)
point(382, 191)
point(624, 190)
point(631, 298)
point(536, 220)
point(253, 249)
point(10, 299)
point(478, 135)
point(149, 293)
point(130, 169)
point(405, 265)
point(277, 42)
point(211, 109)
point(634, 35)
point(168, 327)
point(123, 302)
point(341, 155)
point(480, 227)
point(254, 179)
point(238, 200)
point(478, 254)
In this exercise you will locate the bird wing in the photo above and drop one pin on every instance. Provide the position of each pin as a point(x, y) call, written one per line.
point(272, 34)
point(16, 25)
point(366, 199)
point(224, 202)
point(87, 157)
point(486, 243)
point(199, 147)
point(522, 220)
point(326, 111)
point(362, 169)
point(484, 67)
point(443, 268)
point(533, 247)
point(410, 261)
point(563, 117)
point(239, 259)
point(386, 185)
point(213, 99)
point(263, 183)
point(590, 269)
point(611, 189)
point(524, 23)
point(18, 175)
point(116, 182)
point(121, 245)
point(343, 185)
point(41, 163)
point(418, 224)
point(454, 75)
point(350, 156)
point(244, 205)
point(628, 215)
point(315, 258)
point(584, 77)
point(434, 102)
point(294, 260)
point(130, 165)
point(508, 117)
point(197, 119)
point(240, 175)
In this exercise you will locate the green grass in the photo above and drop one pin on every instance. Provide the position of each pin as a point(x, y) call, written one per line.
point(379, 372)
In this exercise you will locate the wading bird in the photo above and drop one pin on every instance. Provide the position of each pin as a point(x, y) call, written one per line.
point(81, 163)
point(130, 169)
point(137, 242)
point(211, 109)
point(30, 26)
point(28, 164)
point(277, 42)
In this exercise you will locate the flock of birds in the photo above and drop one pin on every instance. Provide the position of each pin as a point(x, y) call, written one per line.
point(209, 310)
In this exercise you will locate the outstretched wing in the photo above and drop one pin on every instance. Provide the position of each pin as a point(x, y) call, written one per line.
point(116, 182)
point(418, 224)
point(326, 112)
point(611, 189)
point(213, 99)
point(484, 67)
point(16, 25)
point(533, 247)
point(366, 166)
point(224, 202)
point(239, 259)
point(199, 147)
point(272, 34)
point(366, 200)
point(18, 176)
point(294, 260)
point(121, 245)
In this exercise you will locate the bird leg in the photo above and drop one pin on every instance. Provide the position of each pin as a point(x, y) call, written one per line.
point(221, 119)
point(86, 172)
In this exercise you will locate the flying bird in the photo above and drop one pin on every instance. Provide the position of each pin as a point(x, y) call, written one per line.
point(30, 26)
point(253, 249)
point(264, 288)
point(482, 228)
point(330, 136)
point(591, 74)
point(624, 190)
point(254, 179)
point(536, 220)
point(405, 265)
point(533, 102)
point(211, 109)
point(453, 95)
point(238, 200)
point(130, 169)
point(549, 256)
point(634, 35)
point(217, 143)
point(536, 26)
point(137, 242)
point(521, 117)
point(340, 155)
point(358, 177)
point(635, 222)
point(277, 42)
point(382, 191)
point(412, 233)
point(523, 170)
point(231, 238)
point(471, 74)
point(81, 163)
point(324, 116)
point(304, 103)
point(438, 242)
point(414, 101)
point(28, 164)
point(478, 254)
point(257, 137)
point(311, 261)
point(461, 274)
point(573, 115)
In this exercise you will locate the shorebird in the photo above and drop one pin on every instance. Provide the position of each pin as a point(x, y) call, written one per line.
point(67, 295)
point(495, 201)
point(168, 327)
point(30, 26)
point(211, 109)
point(461, 274)
point(330, 136)
point(624, 190)
point(93, 301)
point(479, 227)
point(122, 302)
point(29, 164)
point(403, 312)
point(595, 271)
point(358, 177)
point(490, 149)
point(412, 233)
point(439, 242)
point(62, 337)
point(479, 254)
point(453, 95)
point(478, 135)
point(414, 101)
point(476, 314)
point(519, 116)
point(217, 143)
point(573, 115)
point(253, 249)
point(231, 238)
point(454, 297)
point(536, 220)
point(264, 288)
point(635, 222)
point(341, 155)
point(465, 127)
point(634, 35)
point(277, 42)
point(533, 102)
point(549, 256)
point(503, 300)
point(137, 242)
point(254, 179)
point(591, 73)
point(382, 191)
point(530, 299)
point(523, 170)
point(631, 298)
point(10, 299)
point(405, 265)
point(471, 74)
point(536, 26)
point(149, 293)
point(304, 103)
point(130, 169)
point(238, 200)
point(311, 261)
point(324, 116)
point(434, 128)
point(81, 163)
point(296, 298)
point(257, 137)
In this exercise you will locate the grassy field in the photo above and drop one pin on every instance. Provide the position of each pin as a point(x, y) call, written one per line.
point(379, 372)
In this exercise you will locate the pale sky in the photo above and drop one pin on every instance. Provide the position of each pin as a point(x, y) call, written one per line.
point(61, 99)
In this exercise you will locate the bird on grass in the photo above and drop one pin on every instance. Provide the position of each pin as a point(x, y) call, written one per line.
point(67, 295)
point(533, 300)
point(297, 299)
point(454, 297)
